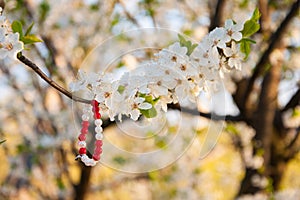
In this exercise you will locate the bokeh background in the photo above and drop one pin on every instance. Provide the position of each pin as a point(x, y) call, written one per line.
point(256, 155)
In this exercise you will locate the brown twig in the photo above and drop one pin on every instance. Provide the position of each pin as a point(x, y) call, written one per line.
point(294, 101)
point(212, 116)
point(218, 15)
point(37, 70)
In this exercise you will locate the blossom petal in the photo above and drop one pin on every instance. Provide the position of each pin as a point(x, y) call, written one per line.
point(145, 106)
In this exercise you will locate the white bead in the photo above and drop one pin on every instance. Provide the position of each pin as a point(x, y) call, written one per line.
point(99, 136)
point(82, 144)
point(85, 117)
point(78, 157)
point(86, 163)
point(99, 129)
point(84, 158)
point(90, 162)
point(94, 162)
point(98, 122)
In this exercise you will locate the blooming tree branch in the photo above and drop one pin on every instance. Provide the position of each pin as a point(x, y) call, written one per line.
point(177, 74)
point(294, 101)
point(217, 17)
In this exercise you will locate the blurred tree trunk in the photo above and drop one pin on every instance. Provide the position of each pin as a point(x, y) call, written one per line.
point(82, 188)
point(265, 116)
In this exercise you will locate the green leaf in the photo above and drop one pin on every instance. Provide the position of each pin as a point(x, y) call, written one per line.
point(245, 47)
point(155, 101)
point(296, 112)
point(188, 44)
point(154, 175)
point(119, 160)
point(44, 9)
point(256, 15)
point(28, 31)
point(181, 39)
point(2, 141)
point(30, 39)
point(191, 49)
point(17, 27)
point(121, 89)
point(151, 113)
point(116, 20)
point(252, 25)
point(232, 129)
point(149, 99)
point(249, 40)
point(60, 184)
point(160, 143)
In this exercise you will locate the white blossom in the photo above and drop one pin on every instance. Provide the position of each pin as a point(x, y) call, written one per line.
point(235, 56)
point(9, 41)
point(217, 37)
point(172, 77)
point(173, 55)
point(84, 80)
point(233, 30)
point(134, 104)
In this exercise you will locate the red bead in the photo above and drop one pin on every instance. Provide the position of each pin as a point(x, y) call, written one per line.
point(84, 130)
point(82, 137)
point(98, 151)
point(98, 143)
point(94, 103)
point(97, 115)
point(96, 157)
point(85, 123)
point(82, 151)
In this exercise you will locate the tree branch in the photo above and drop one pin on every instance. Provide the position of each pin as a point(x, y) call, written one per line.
point(128, 15)
point(293, 147)
point(265, 16)
point(37, 70)
point(218, 15)
point(212, 116)
point(294, 140)
point(274, 41)
point(294, 101)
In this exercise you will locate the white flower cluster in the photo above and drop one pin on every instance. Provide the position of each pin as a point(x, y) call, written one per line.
point(174, 75)
point(9, 41)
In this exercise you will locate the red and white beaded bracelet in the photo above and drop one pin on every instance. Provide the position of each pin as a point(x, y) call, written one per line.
point(84, 131)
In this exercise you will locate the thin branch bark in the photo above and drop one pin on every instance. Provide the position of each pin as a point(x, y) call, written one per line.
point(265, 16)
point(265, 113)
point(83, 186)
point(294, 147)
point(128, 15)
point(274, 41)
point(37, 70)
point(212, 116)
point(294, 140)
point(294, 101)
point(218, 15)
